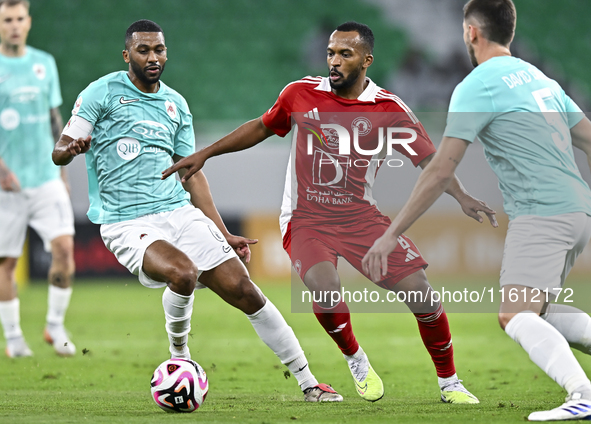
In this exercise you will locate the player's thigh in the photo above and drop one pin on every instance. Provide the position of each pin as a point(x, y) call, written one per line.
point(164, 262)
point(51, 211)
point(200, 239)
point(14, 217)
point(405, 260)
point(129, 240)
point(313, 251)
point(536, 250)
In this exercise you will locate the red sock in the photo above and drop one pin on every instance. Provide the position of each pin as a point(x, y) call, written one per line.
point(337, 323)
point(434, 329)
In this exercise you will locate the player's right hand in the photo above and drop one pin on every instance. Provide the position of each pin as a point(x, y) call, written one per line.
point(192, 163)
point(79, 146)
point(9, 181)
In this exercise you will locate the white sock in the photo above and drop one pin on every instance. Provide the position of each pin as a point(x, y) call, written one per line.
point(58, 300)
point(271, 327)
point(360, 353)
point(549, 350)
point(572, 323)
point(177, 312)
point(10, 317)
point(443, 382)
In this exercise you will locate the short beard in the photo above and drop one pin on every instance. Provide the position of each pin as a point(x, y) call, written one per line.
point(141, 75)
point(472, 55)
point(347, 82)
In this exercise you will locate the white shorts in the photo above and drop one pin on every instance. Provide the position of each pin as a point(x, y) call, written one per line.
point(47, 209)
point(540, 251)
point(186, 228)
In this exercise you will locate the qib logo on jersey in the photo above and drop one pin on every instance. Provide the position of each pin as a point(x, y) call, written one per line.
point(128, 148)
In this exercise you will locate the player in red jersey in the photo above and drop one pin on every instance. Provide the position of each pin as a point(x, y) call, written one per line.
point(344, 127)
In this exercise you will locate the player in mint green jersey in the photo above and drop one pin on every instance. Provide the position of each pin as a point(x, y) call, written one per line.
point(528, 127)
point(130, 125)
point(33, 190)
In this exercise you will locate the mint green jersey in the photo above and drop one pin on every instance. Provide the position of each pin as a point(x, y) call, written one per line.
point(523, 119)
point(29, 89)
point(134, 137)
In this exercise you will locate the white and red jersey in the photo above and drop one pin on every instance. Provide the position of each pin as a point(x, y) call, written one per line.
point(338, 147)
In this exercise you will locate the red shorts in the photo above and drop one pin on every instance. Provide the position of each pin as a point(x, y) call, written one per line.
point(308, 245)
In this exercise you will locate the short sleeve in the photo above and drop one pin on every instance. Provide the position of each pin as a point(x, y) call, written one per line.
point(278, 118)
point(55, 94)
point(422, 146)
point(184, 140)
point(573, 111)
point(90, 102)
point(471, 109)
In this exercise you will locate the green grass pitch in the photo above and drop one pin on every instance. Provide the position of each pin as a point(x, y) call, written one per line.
point(119, 325)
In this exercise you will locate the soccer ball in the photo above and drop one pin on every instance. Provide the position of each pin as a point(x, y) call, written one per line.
point(179, 385)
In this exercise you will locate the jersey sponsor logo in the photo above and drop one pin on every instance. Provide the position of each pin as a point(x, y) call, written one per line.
point(170, 109)
point(362, 124)
point(10, 119)
point(410, 254)
point(39, 70)
point(150, 129)
point(124, 101)
point(128, 148)
point(77, 106)
point(329, 169)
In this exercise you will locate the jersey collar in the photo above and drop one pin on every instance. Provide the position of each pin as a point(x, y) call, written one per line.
point(368, 95)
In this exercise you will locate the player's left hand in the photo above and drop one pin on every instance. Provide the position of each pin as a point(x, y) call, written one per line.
point(471, 206)
point(240, 245)
point(375, 261)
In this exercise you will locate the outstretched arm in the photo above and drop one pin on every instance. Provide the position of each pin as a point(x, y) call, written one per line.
point(201, 197)
point(247, 135)
point(432, 182)
point(470, 205)
point(581, 134)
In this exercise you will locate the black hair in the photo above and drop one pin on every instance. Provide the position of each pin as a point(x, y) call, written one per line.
point(365, 33)
point(498, 19)
point(143, 25)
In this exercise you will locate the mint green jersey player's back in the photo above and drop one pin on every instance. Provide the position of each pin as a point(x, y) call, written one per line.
point(134, 137)
point(523, 120)
point(29, 89)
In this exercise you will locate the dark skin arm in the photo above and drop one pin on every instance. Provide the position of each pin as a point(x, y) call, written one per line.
point(470, 205)
point(245, 136)
point(581, 135)
point(57, 125)
point(201, 197)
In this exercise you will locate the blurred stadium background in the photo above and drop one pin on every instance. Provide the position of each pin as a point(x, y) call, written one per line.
point(231, 58)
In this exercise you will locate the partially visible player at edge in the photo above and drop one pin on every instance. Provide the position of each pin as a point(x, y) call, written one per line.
point(166, 233)
point(347, 221)
point(528, 128)
point(33, 191)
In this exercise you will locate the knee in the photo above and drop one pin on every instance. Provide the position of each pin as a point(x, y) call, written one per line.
point(8, 267)
point(183, 278)
point(504, 318)
point(62, 251)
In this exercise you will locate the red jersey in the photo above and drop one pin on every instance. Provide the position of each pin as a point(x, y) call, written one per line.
point(338, 147)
